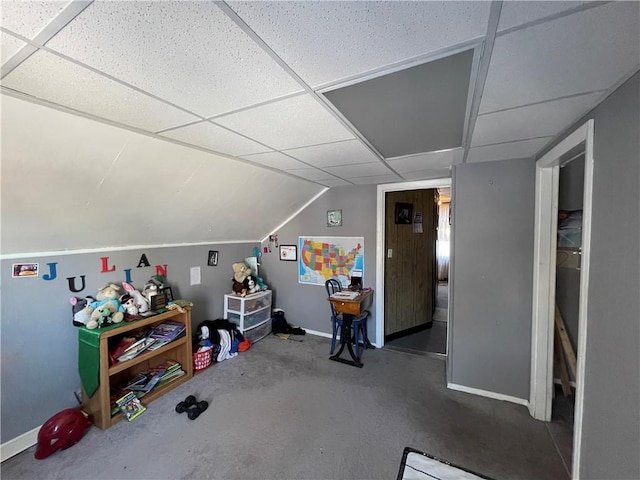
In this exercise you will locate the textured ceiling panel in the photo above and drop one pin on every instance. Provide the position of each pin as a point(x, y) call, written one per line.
point(10, 45)
point(426, 161)
point(361, 170)
point(333, 154)
point(28, 17)
point(327, 41)
point(518, 13)
point(310, 173)
point(334, 182)
point(275, 160)
point(418, 109)
point(290, 123)
point(428, 174)
point(213, 137)
point(507, 151)
point(46, 76)
point(540, 120)
point(375, 180)
point(172, 49)
point(598, 47)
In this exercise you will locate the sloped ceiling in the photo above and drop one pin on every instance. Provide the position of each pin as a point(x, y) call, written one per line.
point(222, 104)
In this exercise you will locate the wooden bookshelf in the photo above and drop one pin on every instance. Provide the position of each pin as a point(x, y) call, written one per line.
point(98, 406)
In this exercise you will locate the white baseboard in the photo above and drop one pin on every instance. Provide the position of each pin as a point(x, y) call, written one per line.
point(319, 334)
point(327, 335)
point(19, 444)
point(485, 393)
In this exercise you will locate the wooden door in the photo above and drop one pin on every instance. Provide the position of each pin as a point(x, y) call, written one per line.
point(410, 262)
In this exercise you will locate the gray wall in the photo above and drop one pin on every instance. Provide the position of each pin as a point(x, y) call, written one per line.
point(39, 342)
point(492, 279)
point(306, 305)
point(611, 422)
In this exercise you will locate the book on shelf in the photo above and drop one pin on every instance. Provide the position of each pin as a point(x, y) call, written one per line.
point(136, 349)
point(130, 406)
point(167, 330)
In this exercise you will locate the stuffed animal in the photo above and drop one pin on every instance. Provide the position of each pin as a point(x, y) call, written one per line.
point(238, 288)
point(240, 272)
point(107, 297)
point(103, 317)
point(251, 284)
point(80, 315)
point(261, 284)
point(149, 290)
point(140, 301)
point(129, 303)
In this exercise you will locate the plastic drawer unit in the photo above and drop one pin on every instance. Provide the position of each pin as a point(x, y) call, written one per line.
point(252, 313)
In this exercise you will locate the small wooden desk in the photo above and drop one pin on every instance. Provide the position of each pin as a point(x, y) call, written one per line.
point(349, 310)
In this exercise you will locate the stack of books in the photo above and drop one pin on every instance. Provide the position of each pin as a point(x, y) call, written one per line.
point(166, 332)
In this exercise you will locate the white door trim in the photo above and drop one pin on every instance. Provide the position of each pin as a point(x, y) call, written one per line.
point(380, 232)
point(546, 214)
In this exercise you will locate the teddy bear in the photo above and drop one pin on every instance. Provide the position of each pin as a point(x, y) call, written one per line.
point(240, 272)
point(129, 303)
point(107, 297)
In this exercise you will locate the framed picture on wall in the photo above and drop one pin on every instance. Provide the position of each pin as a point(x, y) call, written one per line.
point(403, 213)
point(212, 260)
point(288, 253)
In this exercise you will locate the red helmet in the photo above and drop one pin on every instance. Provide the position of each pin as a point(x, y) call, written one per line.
point(61, 431)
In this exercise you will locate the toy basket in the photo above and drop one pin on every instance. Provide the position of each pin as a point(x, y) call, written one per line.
point(202, 360)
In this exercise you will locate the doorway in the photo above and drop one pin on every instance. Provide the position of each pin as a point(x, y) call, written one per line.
point(544, 282)
point(415, 340)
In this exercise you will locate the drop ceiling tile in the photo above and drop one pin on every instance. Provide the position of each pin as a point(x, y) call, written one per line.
point(48, 77)
point(428, 174)
point(375, 180)
point(29, 17)
point(213, 137)
point(425, 161)
point(582, 52)
point(285, 124)
point(514, 14)
point(275, 160)
point(507, 151)
point(334, 182)
point(310, 173)
point(360, 170)
point(333, 154)
point(327, 41)
point(10, 45)
point(189, 53)
point(540, 120)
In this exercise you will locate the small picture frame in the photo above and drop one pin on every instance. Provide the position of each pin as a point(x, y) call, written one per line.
point(404, 213)
point(24, 270)
point(288, 253)
point(158, 301)
point(212, 260)
point(334, 218)
point(167, 293)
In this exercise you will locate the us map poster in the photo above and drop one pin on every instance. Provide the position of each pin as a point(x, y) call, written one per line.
point(322, 258)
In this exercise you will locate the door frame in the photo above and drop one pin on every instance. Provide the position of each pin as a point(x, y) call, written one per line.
point(544, 281)
point(380, 236)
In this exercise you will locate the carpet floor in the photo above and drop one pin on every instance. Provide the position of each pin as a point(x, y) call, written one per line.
point(283, 410)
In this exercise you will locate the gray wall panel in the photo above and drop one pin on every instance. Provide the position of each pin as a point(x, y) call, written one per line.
point(611, 425)
point(306, 305)
point(39, 342)
point(492, 281)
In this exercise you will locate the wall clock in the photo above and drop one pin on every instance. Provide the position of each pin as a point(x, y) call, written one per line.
point(334, 218)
